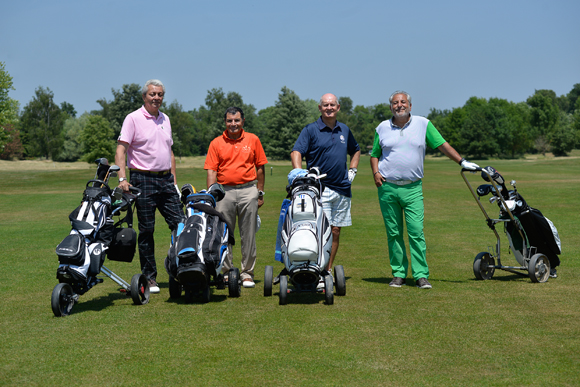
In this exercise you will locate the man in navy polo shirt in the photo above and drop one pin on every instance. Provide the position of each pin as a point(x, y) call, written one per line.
point(325, 144)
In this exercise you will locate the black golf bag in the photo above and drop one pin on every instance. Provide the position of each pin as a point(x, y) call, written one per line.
point(199, 244)
point(539, 232)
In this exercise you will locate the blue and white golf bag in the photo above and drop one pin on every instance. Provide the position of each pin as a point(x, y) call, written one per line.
point(199, 244)
point(306, 234)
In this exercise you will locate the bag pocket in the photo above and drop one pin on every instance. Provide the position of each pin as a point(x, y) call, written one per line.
point(123, 245)
point(71, 251)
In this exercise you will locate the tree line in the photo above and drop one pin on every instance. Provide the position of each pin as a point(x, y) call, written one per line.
point(481, 128)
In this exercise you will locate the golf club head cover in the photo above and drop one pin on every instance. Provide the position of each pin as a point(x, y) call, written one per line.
point(295, 173)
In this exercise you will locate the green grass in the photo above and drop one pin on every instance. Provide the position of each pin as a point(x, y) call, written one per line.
point(503, 332)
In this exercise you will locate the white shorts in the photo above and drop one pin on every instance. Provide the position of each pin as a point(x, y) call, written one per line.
point(336, 207)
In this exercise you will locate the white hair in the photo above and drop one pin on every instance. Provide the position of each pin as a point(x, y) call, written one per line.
point(399, 92)
point(154, 82)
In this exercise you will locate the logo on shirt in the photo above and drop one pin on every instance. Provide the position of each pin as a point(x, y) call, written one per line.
point(342, 139)
point(246, 148)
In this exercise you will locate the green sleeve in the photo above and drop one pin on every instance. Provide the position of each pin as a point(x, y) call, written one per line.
point(377, 151)
point(433, 137)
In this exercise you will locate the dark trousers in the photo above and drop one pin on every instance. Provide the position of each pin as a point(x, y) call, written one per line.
point(157, 192)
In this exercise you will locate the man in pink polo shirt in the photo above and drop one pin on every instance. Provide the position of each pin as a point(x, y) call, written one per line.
point(146, 141)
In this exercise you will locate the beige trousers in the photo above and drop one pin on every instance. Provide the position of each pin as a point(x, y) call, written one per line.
point(241, 202)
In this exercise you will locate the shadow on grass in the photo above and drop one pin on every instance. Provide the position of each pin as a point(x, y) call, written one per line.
point(99, 303)
point(196, 299)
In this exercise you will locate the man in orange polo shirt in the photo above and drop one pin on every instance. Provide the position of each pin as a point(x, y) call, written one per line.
point(236, 160)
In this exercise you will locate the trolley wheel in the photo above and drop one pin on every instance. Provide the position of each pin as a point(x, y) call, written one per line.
point(340, 280)
point(140, 289)
point(328, 294)
point(539, 268)
point(283, 290)
point(205, 295)
point(268, 277)
point(175, 288)
point(484, 266)
point(234, 283)
point(62, 300)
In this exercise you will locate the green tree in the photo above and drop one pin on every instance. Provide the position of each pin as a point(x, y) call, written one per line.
point(96, 139)
point(573, 96)
point(289, 117)
point(41, 125)
point(72, 149)
point(480, 130)
point(544, 116)
point(69, 109)
point(13, 148)
point(185, 141)
point(576, 122)
point(125, 101)
point(312, 108)
point(364, 121)
point(209, 119)
point(8, 107)
point(563, 138)
point(521, 138)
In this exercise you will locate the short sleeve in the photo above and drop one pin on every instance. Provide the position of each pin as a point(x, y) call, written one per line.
point(433, 137)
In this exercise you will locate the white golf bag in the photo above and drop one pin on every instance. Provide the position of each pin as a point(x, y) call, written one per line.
point(306, 234)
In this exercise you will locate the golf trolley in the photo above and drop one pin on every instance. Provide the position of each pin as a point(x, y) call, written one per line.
point(306, 243)
point(199, 246)
point(533, 239)
point(94, 236)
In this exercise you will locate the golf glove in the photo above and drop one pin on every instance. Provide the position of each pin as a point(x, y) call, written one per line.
point(467, 165)
point(351, 174)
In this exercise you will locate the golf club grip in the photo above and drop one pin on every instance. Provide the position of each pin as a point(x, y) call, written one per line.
point(135, 190)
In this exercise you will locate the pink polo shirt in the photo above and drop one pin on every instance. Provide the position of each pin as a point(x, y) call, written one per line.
point(149, 140)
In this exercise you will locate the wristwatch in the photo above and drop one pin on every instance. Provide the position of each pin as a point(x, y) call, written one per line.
point(261, 193)
point(121, 179)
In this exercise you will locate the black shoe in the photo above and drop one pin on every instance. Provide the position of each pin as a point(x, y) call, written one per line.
point(553, 273)
point(422, 283)
point(397, 282)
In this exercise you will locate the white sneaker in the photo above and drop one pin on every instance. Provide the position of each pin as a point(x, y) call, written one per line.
point(248, 283)
point(153, 287)
point(320, 285)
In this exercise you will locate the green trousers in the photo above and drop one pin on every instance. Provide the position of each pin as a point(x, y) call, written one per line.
point(398, 201)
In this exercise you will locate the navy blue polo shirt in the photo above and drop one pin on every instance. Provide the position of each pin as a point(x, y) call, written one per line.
point(326, 148)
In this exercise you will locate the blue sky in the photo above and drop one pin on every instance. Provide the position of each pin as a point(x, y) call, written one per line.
point(442, 52)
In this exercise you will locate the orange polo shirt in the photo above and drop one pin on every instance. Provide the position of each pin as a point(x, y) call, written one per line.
point(235, 160)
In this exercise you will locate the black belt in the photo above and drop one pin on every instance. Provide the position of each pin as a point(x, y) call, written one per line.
point(152, 173)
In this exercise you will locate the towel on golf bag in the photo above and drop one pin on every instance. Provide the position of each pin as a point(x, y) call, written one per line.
point(283, 211)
